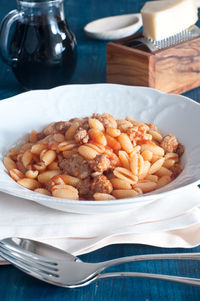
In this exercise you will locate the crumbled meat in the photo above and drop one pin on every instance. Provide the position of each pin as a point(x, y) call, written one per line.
point(76, 166)
point(180, 149)
point(169, 143)
point(84, 188)
point(153, 127)
point(56, 180)
point(106, 119)
point(100, 164)
point(56, 127)
point(124, 125)
point(81, 136)
point(76, 119)
point(132, 132)
point(85, 124)
point(176, 170)
point(60, 158)
point(114, 159)
point(101, 184)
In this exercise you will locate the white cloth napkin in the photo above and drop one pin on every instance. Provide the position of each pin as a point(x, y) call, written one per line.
point(173, 221)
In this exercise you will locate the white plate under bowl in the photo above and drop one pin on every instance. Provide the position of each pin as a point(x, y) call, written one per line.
point(33, 110)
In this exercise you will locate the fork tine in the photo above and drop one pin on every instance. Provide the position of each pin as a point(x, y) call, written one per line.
point(30, 269)
point(39, 258)
point(28, 261)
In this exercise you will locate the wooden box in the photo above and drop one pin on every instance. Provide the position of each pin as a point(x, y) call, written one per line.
point(174, 70)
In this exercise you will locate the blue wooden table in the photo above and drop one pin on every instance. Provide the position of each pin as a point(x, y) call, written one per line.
point(15, 285)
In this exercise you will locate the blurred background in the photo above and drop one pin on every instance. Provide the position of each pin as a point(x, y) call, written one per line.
point(91, 65)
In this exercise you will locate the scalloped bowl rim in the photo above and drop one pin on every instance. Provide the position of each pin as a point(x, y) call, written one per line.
point(52, 200)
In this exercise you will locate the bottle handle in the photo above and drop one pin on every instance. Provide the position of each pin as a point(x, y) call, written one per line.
point(5, 26)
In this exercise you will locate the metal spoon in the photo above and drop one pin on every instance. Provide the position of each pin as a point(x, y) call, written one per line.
point(63, 269)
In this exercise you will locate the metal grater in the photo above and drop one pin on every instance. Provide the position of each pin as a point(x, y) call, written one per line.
point(185, 35)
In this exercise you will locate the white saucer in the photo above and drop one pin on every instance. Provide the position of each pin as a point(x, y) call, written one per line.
point(112, 28)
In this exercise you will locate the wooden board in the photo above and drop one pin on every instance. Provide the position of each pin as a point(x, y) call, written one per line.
point(174, 70)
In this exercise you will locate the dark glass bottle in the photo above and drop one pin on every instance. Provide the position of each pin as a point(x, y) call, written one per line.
point(42, 51)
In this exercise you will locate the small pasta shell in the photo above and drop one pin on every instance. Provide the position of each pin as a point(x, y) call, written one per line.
point(97, 136)
point(45, 176)
point(96, 174)
point(169, 163)
point(95, 124)
point(156, 135)
point(147, 155)
point(27, 158)
point(48, 157)
point(42, 191)
point(125, 142)
point(103, 197)
point(59, 137)
point(67, 145)
point(21, 167)
point(136, 149)
point(113, 143)
point(58, 180)
point(97, 147)
point(125, 174)
point(146, 186)
point(172, 156)
point(113, 132)
point(146, 168)
point(138, 190)
point(65, 192)
point(152, 147)
point(152, 178)
point(73, 181)
point(65, 186)
point(163, 171)
point(53, 166)
point(37, 148)
point(33, 136)
point(164, 180)
point(155, 158)
point(87, 152)
point(16, 174)
point(123, 156)
point(122, 194)
point(32, 174)
point(31, 184)
point(9, 163)
point(120, 184)
point(69, 134)
point(137, 164)
point(40, 166)
point(156, 166)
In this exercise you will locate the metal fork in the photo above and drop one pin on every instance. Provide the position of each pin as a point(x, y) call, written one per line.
point(69, 271)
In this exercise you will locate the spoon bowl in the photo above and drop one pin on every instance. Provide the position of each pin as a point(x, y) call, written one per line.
point(61, 268)
point(115, 27)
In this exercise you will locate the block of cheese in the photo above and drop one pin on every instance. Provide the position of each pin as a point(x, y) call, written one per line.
point(165, 18)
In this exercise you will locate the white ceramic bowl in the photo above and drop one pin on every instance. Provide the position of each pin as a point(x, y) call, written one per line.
point(33, 110)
